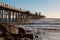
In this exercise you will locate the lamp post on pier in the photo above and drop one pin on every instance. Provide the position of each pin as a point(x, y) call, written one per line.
point(14, 3)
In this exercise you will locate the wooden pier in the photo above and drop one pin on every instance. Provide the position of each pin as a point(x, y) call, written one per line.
point(9, 13)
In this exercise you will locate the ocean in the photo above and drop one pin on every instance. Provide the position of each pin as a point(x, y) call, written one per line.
point(44, 29)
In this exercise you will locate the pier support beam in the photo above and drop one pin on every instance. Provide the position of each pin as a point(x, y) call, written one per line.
point(13, 16)
point(19, 17)
point(9, 16)
point(2, 15)
point(16, 17)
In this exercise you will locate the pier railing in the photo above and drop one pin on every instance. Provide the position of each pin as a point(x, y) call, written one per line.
point(10, 7)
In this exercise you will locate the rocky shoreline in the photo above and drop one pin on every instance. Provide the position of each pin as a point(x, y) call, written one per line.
point(10, 32)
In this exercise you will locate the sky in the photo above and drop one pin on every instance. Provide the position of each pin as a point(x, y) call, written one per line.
point(48, 8)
